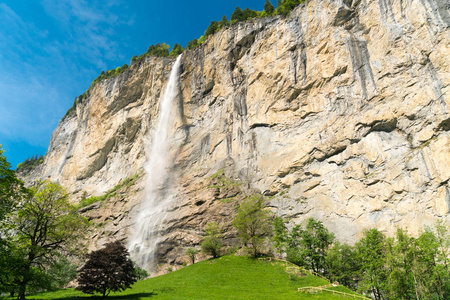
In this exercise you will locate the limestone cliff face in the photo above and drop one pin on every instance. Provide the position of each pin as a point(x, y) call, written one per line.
point(338, 112)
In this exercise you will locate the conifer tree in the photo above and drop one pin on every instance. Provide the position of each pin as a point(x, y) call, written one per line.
point(269, 8)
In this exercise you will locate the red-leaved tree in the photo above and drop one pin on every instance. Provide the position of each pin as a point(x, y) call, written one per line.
point(107, 270)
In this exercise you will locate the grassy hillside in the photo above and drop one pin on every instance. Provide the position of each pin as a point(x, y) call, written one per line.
point(228, 277)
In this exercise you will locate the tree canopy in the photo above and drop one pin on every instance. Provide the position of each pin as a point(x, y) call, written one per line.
point(253, 223)
point(106, 270)
point(35, 234)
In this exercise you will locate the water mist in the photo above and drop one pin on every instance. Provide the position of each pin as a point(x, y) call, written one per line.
point(143, 243)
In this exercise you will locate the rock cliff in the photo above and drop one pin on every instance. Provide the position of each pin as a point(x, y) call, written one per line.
point(339, 112)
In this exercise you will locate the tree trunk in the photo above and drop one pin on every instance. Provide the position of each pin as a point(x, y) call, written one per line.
point(22, 290)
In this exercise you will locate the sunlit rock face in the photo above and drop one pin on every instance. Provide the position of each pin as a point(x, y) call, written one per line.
point(338, 112)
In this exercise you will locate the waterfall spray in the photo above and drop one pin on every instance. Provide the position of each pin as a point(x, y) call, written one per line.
point(143, 241)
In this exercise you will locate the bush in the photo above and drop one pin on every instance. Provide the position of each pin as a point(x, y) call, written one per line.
point(140, 273)
point(212, 243)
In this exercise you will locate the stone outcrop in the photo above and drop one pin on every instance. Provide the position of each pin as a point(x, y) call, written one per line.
point(339, 112)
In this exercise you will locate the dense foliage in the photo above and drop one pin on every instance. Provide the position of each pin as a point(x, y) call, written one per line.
point(400, 267)
point(212, 243)
point(162, 50)
point(12, 190)
point(283, 8)
point(30, 163)
point(107, 270)
point(34, 235)
point(253, 223)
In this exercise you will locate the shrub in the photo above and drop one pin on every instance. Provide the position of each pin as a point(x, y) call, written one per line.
point(212, 243)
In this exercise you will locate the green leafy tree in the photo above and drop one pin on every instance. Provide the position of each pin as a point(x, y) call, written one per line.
point(286, 6)
point(315, 241)
point(12, 190)
point(212, 243)
point(293, 253)
point(60, 273)
point(161, 50)
point(371, 251)
point(399, 260)
point(430, 276)
point(269, 8)
point(36, 232)
point(107, 270)
point(140, 273)
point(342, 264)
point(253, 223)
point(280, 235)
point(191, 253)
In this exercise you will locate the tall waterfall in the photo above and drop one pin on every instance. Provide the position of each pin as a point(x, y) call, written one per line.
point(143, 243)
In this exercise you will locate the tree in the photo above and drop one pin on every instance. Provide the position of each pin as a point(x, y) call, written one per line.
point(293, 253)
point(249, 14)
point(371, 251)
point(212, 243)
point(224, 22)
point(176, 50)
point(269, 8)
point(315, 241)
point(192, 44)
point(191, 253)
point(253, 223)
point(238, 15)
point(36, 232)
point(140, 273)
point(107, 270)
point(12, 190)
point(342, 265)
point(212, 28)
point(280, 235)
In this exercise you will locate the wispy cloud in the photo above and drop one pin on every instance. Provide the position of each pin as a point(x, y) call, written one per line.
point(91, 25)
point(42, 68)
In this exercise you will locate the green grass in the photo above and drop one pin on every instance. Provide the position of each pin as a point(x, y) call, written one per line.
point(228, 277)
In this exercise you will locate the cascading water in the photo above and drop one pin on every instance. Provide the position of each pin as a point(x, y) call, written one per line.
point(152, 211)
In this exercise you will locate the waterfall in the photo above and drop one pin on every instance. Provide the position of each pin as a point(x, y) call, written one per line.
point(143, 242)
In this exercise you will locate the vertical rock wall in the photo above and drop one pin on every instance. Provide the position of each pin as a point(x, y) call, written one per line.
point(339, 112)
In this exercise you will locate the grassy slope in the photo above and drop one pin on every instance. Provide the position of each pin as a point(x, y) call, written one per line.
point(229, 277)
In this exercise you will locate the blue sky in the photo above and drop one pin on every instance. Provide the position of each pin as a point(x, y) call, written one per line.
point(51, 50)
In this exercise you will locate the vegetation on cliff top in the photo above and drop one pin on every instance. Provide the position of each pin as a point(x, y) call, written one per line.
point(30, 163)
point(284, 7)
